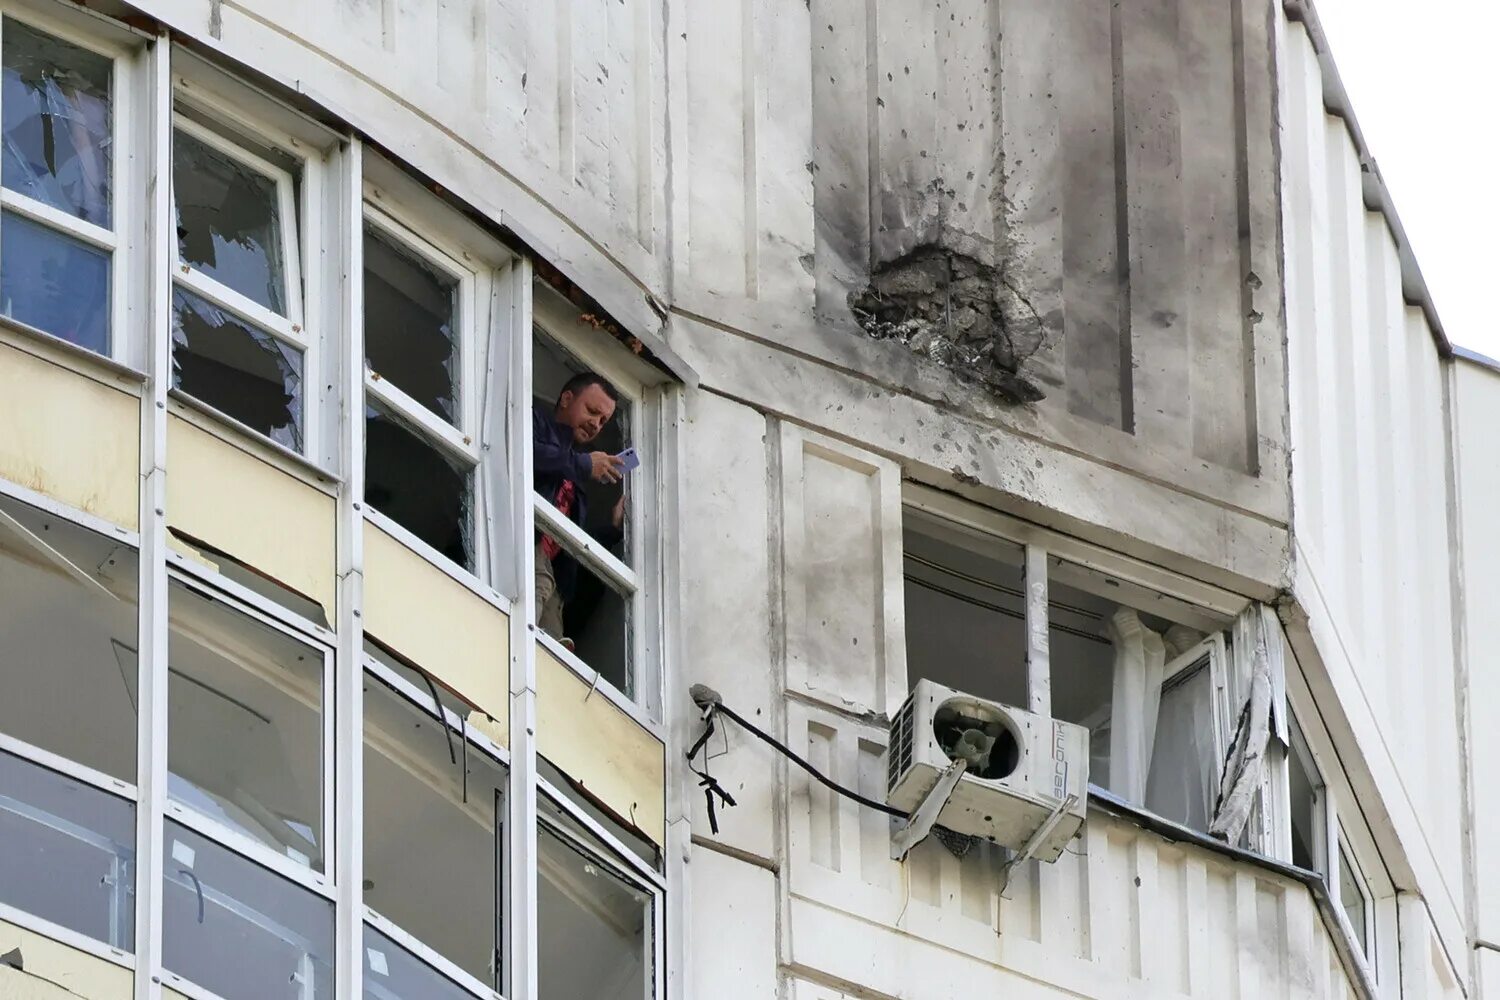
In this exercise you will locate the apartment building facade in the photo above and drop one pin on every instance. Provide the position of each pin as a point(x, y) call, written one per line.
point(1069, 355)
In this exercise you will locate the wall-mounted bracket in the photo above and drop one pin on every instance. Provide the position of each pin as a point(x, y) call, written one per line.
point(1042, 833)
point(916, 829)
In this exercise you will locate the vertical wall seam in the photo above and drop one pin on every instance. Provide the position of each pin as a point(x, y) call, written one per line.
point(1122, 219)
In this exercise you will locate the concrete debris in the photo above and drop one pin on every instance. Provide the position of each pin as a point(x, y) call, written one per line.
point(958, 312)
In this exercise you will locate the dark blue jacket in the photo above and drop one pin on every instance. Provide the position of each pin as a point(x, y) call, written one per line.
point(554, 459)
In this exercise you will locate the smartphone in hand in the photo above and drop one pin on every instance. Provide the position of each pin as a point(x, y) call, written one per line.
point(630, 458)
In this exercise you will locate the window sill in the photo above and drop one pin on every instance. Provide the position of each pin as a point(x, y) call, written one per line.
point(216, 422)
point(43, 345)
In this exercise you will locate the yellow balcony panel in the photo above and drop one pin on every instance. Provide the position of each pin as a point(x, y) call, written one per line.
point(602, 748)
point(221, 496)
point(437, 623)
point(55, 970)
point(69, 436)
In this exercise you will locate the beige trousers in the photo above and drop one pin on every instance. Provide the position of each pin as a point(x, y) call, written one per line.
point(549, 605)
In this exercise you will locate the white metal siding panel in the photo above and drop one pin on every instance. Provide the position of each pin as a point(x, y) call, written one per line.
point(1370, 487)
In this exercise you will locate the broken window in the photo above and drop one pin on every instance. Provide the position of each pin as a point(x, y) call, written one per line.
point(587, 512)
point(596, 924)
point(238, 343)
point(1142, 671)
point(411, 323)
point(426, 322)
point(246, 727)
point(965, 610)
point(419, 486)
point(69, 852)
point(238, 369)
point(1305, 788)
point(1354, 898)
point(434, 803)
point(57, 233)
point(239, 930)
point(68, 619)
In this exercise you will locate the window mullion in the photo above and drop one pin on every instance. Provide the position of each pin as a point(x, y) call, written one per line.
point(70, 225)
point(151, 767)
point(1038, 654)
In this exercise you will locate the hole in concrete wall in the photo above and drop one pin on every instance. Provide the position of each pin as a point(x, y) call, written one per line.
point(953, 309)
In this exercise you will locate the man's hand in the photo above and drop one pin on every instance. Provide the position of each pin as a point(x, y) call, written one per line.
point(617, 516)
point(606, 467)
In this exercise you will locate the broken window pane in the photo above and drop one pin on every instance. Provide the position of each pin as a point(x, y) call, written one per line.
point(69, 852)
point(245, 726)
point(239, 930)
point(596, 930)
point(54, 283)
point(228, 221)
point(965, 611)
point(393, 973)
point(417, 485)
point(237, 369)
point(425, 786)
point(68, 640)
point(56, 116)
point(411, 322)
point(619, 826)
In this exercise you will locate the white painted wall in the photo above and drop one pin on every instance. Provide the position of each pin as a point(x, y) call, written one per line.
point(1371, 501)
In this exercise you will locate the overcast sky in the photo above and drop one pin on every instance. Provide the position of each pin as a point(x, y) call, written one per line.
point(1424, 81)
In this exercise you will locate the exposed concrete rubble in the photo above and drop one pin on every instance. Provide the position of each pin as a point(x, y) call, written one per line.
point(958, 311)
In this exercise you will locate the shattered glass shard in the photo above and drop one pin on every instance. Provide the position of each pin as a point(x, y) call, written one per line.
point(236, 368)
point(55, 104)
point(228, 221)
point(412, 482)
point(411, 309)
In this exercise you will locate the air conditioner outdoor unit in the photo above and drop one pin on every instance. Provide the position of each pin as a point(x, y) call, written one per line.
point(1026, 777)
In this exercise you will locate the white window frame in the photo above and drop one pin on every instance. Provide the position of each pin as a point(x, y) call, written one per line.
point(125, 215)
point(637, 582)
point(292, 223)
point(1341, 832)
point(422, 700)
point(620, 862)
point(418, 222)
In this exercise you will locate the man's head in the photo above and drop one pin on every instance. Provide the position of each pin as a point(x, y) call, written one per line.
point(586, 404)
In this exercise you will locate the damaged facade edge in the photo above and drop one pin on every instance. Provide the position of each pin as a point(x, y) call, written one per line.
point(1005, 323)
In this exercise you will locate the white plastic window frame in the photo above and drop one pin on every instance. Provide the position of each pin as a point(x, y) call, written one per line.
point(421, 224)
point(119, 788)
point(551, 320)
point(301, 226)
point(1341, 832)
point(126, 231)
point(422, 700)
point(619, 861)
point(1041, 544)
point(319, 882)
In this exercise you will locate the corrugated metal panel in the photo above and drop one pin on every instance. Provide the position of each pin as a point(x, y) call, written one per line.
point(1369, 479)
point(1123, 913)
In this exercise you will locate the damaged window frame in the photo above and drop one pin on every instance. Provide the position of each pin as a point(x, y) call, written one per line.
point(298, 201)
point(417, 222)
point(632, 579)
point(126, 227)
point(1342, 834)
point(466, 739)
point(1045, 548)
